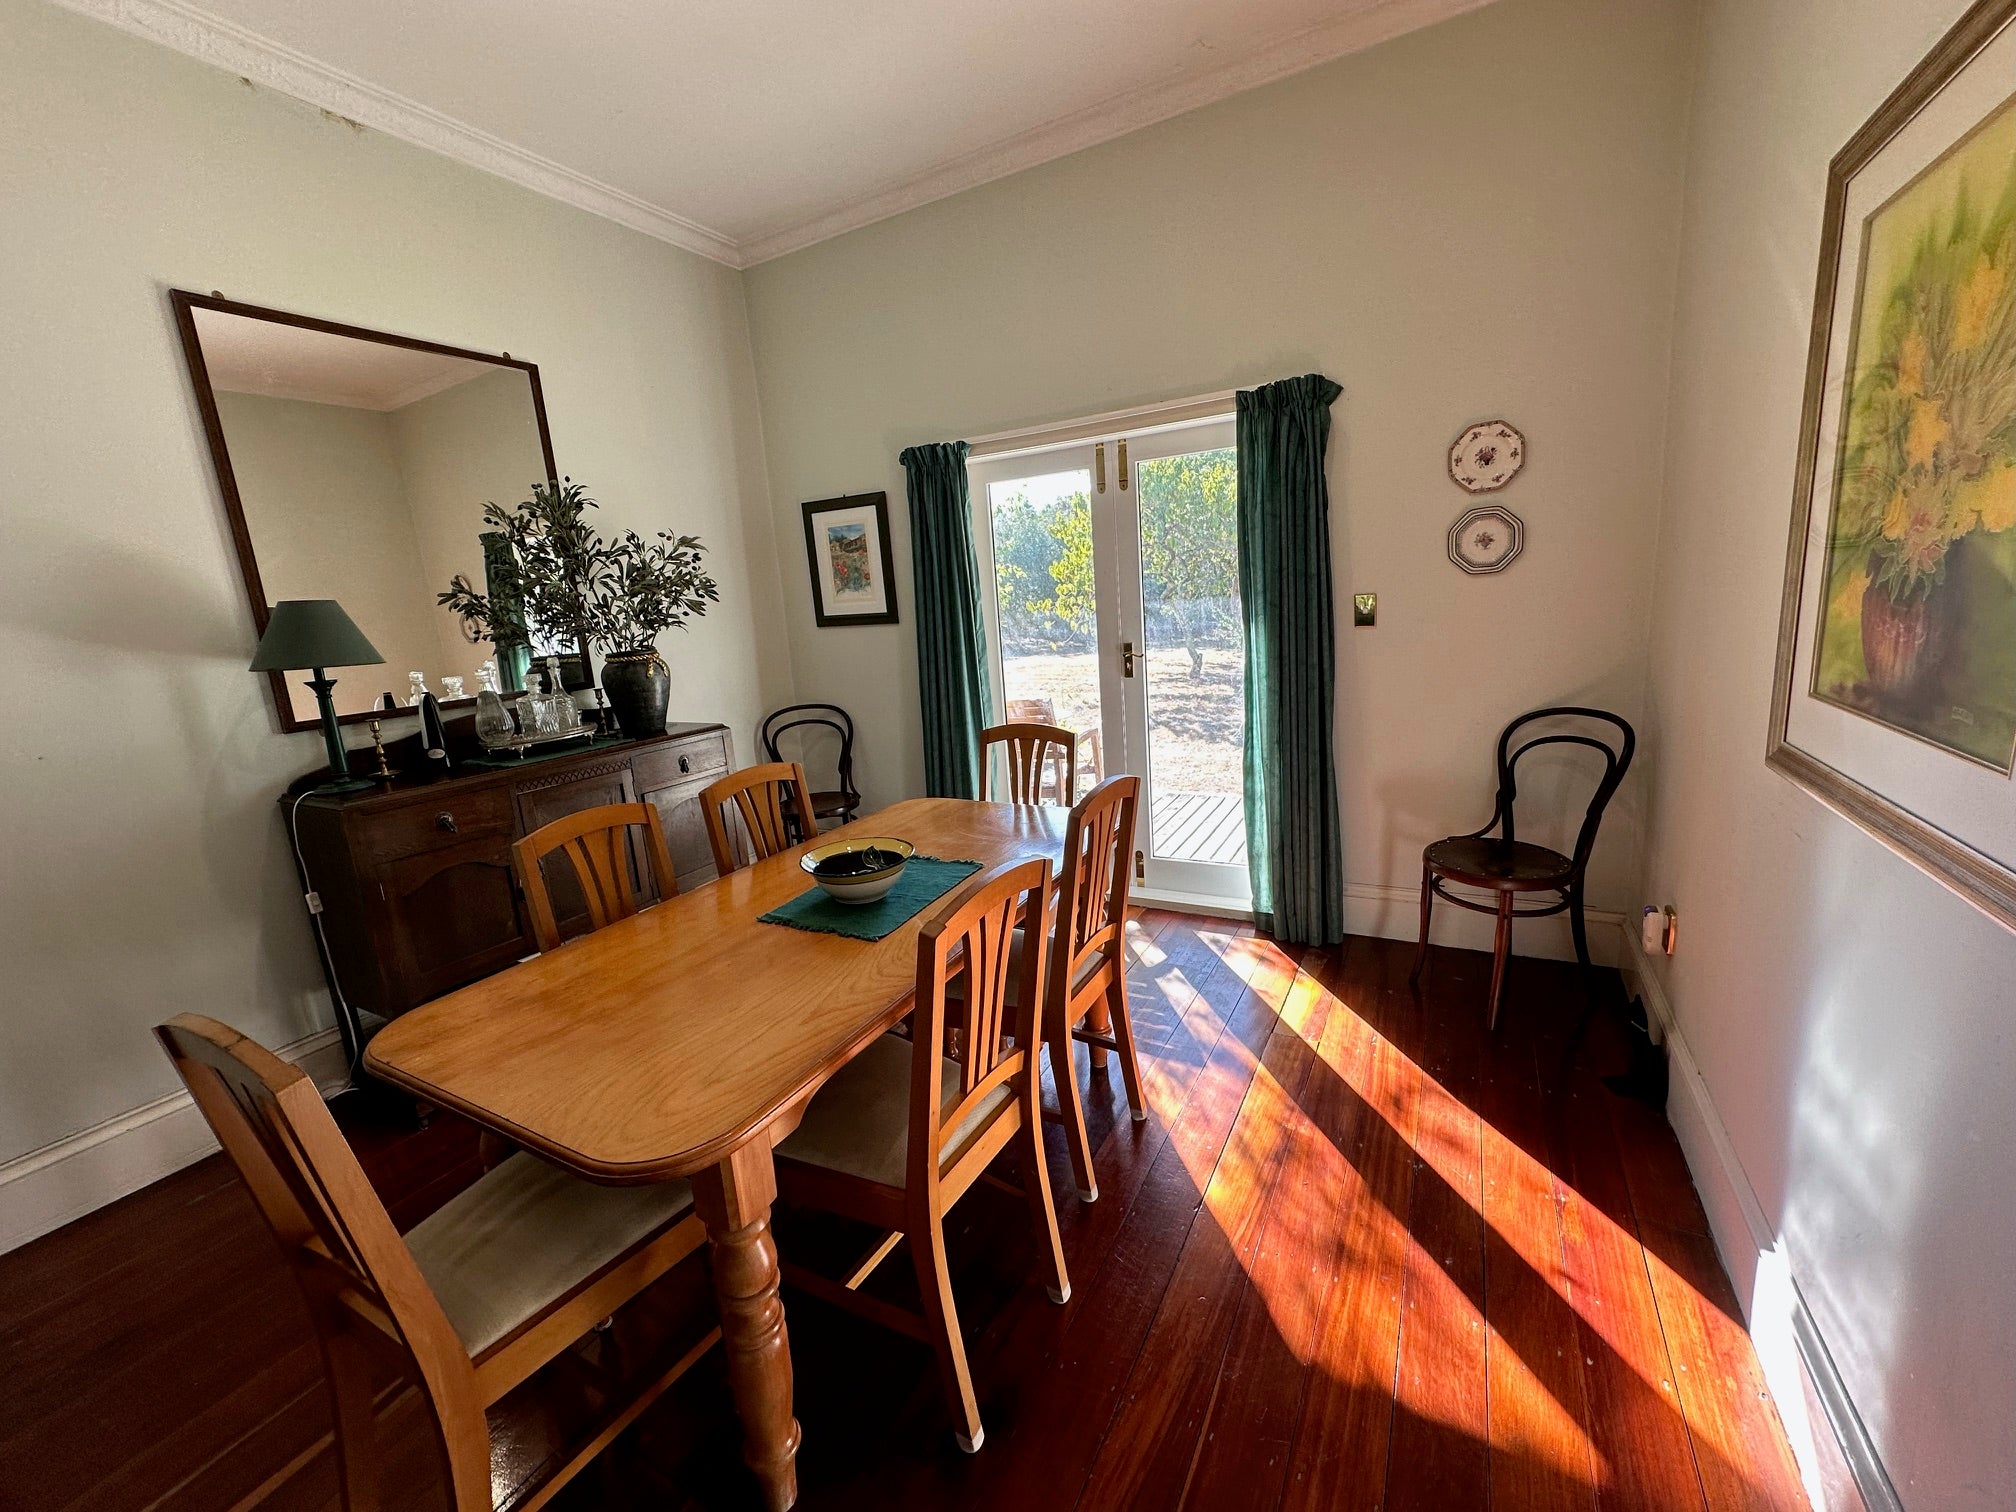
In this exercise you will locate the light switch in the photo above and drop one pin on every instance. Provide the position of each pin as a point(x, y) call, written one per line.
point(1364, 608)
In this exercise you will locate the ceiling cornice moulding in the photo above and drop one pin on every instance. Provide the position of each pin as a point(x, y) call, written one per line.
point(226, 45)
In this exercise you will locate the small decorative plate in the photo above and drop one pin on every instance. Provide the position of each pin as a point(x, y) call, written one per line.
point(1486, 539)
point(1486, 457)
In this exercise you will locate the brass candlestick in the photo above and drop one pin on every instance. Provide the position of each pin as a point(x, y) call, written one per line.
point(385, 772)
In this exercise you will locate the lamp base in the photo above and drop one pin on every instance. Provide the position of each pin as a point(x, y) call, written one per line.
point(345, 785)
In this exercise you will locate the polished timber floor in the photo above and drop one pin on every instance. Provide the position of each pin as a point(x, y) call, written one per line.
point(1363, 1255)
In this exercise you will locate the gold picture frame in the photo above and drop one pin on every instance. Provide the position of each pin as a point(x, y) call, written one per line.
point(1860, 717)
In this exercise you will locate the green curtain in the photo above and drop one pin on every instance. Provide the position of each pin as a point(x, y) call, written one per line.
point(500, 582)
point(951, 641)
point(1292, 843)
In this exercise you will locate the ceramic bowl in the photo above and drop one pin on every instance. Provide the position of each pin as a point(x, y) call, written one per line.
point(858, 869)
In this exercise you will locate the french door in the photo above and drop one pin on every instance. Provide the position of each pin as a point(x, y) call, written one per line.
point(1110, 573)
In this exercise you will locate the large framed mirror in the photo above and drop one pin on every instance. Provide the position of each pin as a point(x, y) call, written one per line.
point(354, 466)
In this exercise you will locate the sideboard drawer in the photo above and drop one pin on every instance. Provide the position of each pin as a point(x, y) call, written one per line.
point(418, 827)
point(704, 758)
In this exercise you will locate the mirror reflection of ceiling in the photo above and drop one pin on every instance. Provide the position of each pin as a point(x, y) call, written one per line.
point(362, 470)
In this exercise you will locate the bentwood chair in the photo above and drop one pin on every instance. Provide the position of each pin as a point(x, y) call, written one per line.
point(1036, 754)
point(518, 1270)
point(841, 803)
point(762, 796)
point(1509, 868)
point(903, 1131)
point(596, 843)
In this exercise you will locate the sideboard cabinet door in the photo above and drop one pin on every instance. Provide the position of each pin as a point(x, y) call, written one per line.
point(453, 918)
point(672, 777)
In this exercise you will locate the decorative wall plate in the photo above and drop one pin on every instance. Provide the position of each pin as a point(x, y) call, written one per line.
point(1486, 539)
point(1486, 457)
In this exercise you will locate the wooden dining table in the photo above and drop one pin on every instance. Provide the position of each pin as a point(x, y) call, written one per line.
point(684, 1042)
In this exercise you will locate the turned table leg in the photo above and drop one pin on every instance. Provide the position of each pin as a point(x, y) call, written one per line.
point(734, 1199)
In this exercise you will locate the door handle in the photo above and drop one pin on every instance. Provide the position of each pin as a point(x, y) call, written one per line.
point(1126, 658)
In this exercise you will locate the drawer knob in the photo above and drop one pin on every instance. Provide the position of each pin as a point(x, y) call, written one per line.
point(685, 765)
point(446, 822)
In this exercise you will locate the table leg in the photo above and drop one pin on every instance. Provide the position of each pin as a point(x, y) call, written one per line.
point(733, 1199)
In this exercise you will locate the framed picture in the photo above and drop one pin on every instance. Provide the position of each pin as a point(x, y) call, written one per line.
point(1895, 695)
point(847, 549)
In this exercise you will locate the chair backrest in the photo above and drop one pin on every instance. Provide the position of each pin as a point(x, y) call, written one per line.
point(969, 941)
point(355, 1272)
point(818, 716)
point(1616, 762)
point(1032, 711)
point(596, 842)
point(760, 795)
point(1097, 879)
point(1031, 749)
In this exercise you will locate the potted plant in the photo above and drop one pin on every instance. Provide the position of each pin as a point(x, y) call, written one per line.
point(561, 578)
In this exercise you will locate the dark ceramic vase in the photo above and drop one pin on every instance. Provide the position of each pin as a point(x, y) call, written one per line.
point(639, 687)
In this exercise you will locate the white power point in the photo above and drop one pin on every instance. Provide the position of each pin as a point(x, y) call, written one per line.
point(1659, 930)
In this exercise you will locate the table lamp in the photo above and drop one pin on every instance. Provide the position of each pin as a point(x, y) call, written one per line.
point(307, 635)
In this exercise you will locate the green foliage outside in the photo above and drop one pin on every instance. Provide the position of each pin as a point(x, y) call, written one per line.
point(1189, 560)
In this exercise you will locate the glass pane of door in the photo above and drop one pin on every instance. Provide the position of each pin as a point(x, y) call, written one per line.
point(1193, 680)
point(1046, 614)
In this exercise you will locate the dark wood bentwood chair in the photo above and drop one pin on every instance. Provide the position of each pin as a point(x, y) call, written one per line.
point(1509, 867)
point(596, 842)
point(1035, 753)
point(841, 803)
point(903, 1130)
point(766, 797)
point(513, 1274)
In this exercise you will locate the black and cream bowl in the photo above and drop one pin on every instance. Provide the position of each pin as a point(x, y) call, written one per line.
point(857, 870)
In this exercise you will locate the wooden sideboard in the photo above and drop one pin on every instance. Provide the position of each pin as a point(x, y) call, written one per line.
point(415, 877)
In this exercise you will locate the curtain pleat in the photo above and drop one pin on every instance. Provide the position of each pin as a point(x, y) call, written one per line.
point(951, 638)
point(1293, 846)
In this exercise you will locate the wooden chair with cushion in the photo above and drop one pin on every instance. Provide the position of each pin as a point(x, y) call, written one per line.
point(596, 842)
point(1509, 868)
point(472, 1304)
point(903, 1131)
point(1037, 755)
point(761, 795)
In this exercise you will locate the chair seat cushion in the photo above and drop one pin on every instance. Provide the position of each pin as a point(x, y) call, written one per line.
point(1498, 863)
point(859, 1122)
point(527, 1234)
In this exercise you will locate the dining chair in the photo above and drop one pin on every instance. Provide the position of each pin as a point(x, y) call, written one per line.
point(1034, 753)
point(475, 1301)
point(1509, 868)
point(1085, 990)
point(762, 796)
point(841, 803)
point(596, 842)
point(1091, 752)
point(903, 1130)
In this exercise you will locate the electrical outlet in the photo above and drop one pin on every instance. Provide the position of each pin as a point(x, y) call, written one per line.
point(1659, 930)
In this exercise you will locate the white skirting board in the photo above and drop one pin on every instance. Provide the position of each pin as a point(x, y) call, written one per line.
point(46, 1188)
point(1789, 1345)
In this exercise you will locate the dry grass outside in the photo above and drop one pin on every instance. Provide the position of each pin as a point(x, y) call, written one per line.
point(1195, 723)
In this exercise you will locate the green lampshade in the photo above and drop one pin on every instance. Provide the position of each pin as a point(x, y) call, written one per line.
point(304, 633)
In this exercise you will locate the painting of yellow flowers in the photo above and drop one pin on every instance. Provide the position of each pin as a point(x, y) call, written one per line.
point(1917, 620)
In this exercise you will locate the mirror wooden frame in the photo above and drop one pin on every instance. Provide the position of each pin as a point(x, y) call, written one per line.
point(186, 304)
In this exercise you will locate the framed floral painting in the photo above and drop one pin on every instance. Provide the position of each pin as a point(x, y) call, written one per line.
point(1895, 696)
point(853, 571)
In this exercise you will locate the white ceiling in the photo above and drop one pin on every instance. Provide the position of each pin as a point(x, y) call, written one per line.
point(247, 356)
point(748, 128)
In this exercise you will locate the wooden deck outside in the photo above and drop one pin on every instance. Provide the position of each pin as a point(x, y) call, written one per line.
point(1362, 1255)
point(1200, 827)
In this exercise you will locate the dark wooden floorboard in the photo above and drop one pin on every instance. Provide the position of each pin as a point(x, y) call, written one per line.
point(1362, 1254)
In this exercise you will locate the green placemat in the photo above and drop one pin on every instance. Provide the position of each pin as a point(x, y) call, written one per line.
point(924, 881)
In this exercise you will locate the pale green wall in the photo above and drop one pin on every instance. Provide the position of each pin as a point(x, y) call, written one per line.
point(147, 868)
point(1851, 1017)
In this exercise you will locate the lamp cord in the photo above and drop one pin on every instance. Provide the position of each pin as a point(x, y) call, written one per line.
point(347, 1026)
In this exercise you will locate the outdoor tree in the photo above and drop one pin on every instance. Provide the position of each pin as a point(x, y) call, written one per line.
point(1190, 545)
